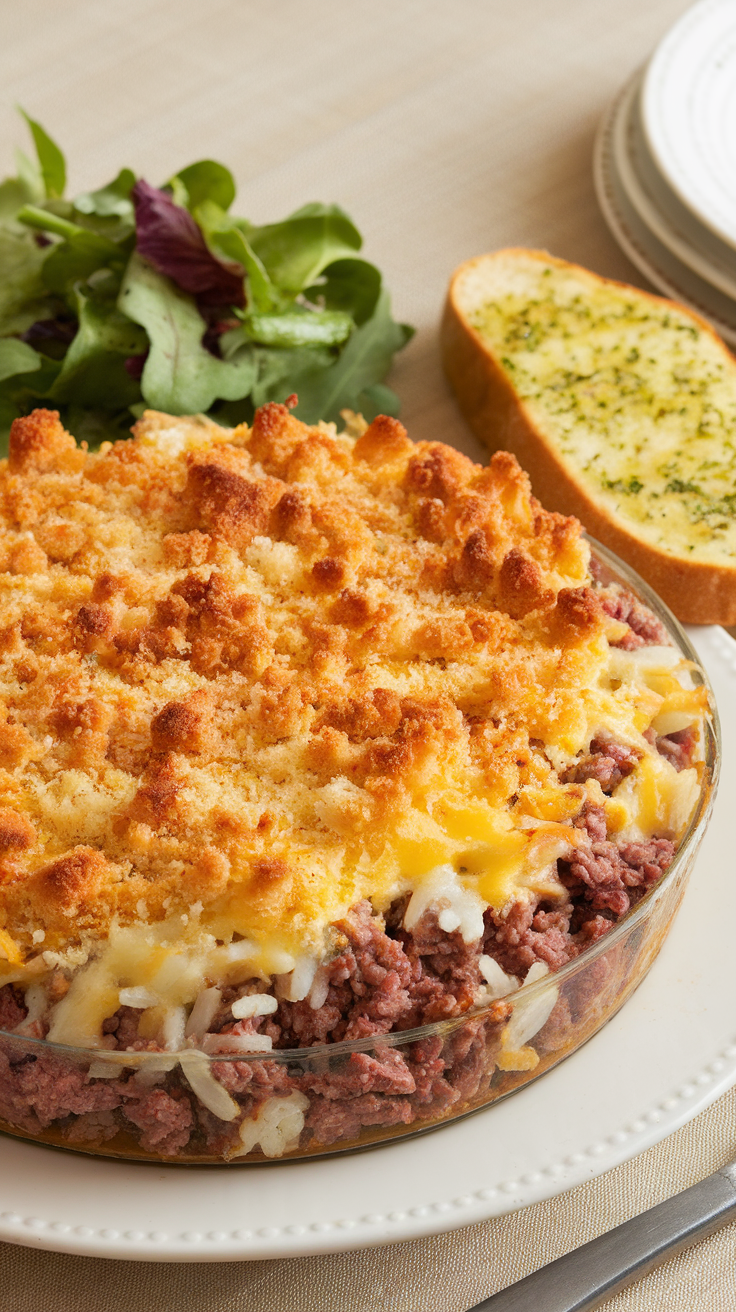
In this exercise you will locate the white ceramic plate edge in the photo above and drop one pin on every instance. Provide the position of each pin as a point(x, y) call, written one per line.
point(648, 254)
point(663, 225)
point(696, 193)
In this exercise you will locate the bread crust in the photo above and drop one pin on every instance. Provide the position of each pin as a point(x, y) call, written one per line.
point(698, 592)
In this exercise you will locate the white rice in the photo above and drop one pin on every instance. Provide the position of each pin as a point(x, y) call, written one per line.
point(173, 1027)
point(498, 983)
point(196, 1069)
point(295, 985)
point(457, 907)
point(138, 997)
point(319, 990)
point(203, 1012)
point(530, 1014)
point(236, 1043)
point(254, 1004)
point(276, 1128)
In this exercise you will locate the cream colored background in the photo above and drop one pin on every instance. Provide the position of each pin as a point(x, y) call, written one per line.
point(445, 130)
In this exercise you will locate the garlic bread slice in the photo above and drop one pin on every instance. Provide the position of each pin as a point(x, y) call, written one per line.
point(620, 404)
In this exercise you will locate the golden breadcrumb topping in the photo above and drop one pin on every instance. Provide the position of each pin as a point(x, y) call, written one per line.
point(250, 676)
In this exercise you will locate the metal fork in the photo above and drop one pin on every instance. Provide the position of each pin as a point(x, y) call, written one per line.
point(584, 1278)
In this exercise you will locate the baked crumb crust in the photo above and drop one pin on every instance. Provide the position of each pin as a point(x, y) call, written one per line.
point(249, 675)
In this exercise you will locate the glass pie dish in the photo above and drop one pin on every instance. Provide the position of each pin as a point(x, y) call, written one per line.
point(190, 1105)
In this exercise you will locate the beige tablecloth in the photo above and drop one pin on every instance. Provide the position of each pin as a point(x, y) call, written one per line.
point(445, 130)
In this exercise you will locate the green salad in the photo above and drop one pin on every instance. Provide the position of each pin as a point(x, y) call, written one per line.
point(135, 296)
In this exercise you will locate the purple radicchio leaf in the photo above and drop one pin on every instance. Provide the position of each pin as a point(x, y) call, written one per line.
point(134, 365)
point(168, 237)
point(60, 329)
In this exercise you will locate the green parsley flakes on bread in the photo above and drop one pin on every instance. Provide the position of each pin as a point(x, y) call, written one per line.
point(620, 405)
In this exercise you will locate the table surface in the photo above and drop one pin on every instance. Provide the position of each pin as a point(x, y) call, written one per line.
point(445, 131)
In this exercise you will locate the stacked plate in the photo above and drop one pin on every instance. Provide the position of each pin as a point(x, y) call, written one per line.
point(665, 165)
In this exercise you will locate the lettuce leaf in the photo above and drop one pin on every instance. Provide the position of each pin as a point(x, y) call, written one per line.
point(296, 251)
point(112, 201)
point(17, 357)
point(365, 360)
point(131, 295)
point(227, 238)
point(298, 328)
point(207, 181)
point(22, 290)
point(94, 369)
point(180, 375)
point(50, 159)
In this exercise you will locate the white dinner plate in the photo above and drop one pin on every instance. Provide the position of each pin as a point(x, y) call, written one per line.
point(657, 205)
point(689, 112)
point(646, 251)
point(667, 1054)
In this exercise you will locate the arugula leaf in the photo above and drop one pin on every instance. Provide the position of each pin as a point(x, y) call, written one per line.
point(180, 375)
point(366, 358)
point(278, 368)
point(83, 254)
point(298, 328)
point(22, 292)
point(93, 371)
point(21, 392)
point(228, 241)
point(50, 158)
point(208, 181)
point(350, 285)
point(29, 175)
point(377, 399)
point(17, 357)
point(317, 209)
point(112, 201)
point(296, 251)
point(14, 193)
point(49, 220)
